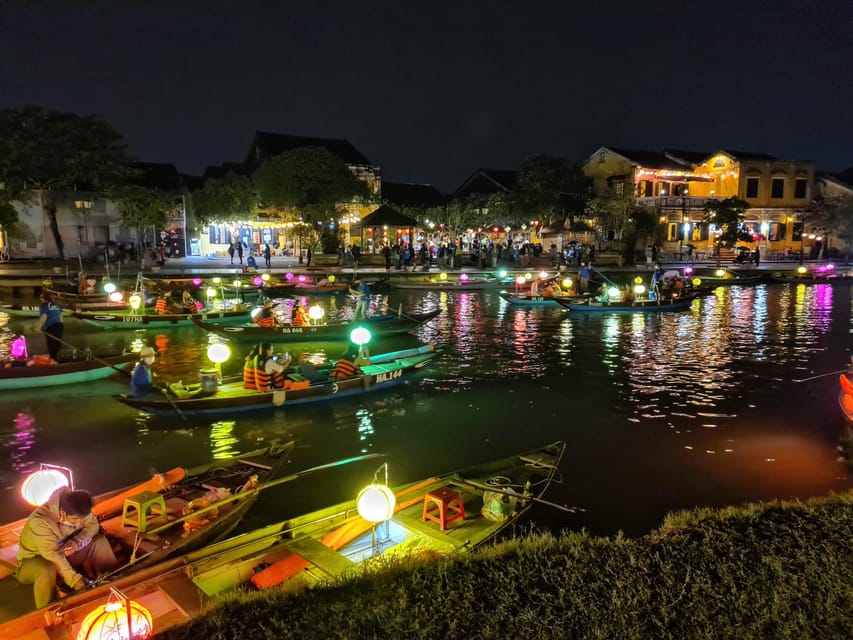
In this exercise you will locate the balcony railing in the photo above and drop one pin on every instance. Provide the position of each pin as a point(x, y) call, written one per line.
point(676, 202)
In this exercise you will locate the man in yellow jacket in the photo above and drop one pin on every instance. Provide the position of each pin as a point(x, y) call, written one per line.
point(60, 538)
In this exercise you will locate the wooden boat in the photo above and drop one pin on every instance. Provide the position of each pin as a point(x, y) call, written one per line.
point(527, 300)
point(20, 310)
point(227, 487)
point(83, 369)
point(384, 371)
point(312, 289)
point(333, 541)
point(812, 277)
point(593, 305)
point(385, 324)
point(730, 281)
point(459, 284)
point(131, 320)
point(845, 397)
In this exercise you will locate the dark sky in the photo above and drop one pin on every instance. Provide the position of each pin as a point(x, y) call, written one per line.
point(430, 91)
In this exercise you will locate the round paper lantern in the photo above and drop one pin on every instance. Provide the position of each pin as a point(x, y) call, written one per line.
point(332, 278)
point(218, 352)
point(502, 273)
point(237, 284)
point(375, 503)
point(316, 312)
point(801, 270)
point(135, 301)
point(696, 281)
point(720, 273)
point(288, 276)
point(442, 276)
point(211, 292)
point(258, 281)
point(301, 279)
point(463, 277)
point(265, 277)
point(19, 347)
point(216, 279)
point(197, 282)
point(116, 296)
point(109, 287)
point(40, 485)
point(360, 336)
point(110, 622)
point(567, 283)
point(688, 270)
point(543, 275)
point(519, 280)
point(638, 280)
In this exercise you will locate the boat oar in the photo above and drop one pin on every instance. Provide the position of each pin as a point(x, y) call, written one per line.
point(822, 375)
point(94, 357)
point(246, 494)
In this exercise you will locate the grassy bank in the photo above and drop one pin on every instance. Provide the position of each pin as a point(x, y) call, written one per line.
point(773, 570)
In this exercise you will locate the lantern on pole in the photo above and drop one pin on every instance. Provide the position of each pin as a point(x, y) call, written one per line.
point(119, 619)
point(376, 502)
point(218, 353)
point(40, 485)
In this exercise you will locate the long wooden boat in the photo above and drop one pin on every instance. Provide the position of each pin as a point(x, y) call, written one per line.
point(84, 369)
point(593, 305)
point(385, 324)
point(730, 281)
point(434, 283)
point(131, 320)
point(845, 398)
point(527, 300)
point(333, 541)
point(812, 277)
point(385, 370)
point(203, 505)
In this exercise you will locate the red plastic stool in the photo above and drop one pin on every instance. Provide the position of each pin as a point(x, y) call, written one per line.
point(449, 504)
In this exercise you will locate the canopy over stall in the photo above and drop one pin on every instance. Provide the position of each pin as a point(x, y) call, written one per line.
point(385, 225)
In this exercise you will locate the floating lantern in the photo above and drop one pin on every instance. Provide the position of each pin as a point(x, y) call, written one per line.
point(119, 619)
point(567, 283)
point(463, 277)
point(442, 276)
point(288, 276)
point(360, 336)
point(638, 280)
point(316, 313)
point(135, 301)
point(265, 277)
point(219, 352)
point(40, 485)
point(375, 503)
point(18, 349)
point(197, 282)
point(332, 278)
point(116, 296)
point(109, 287)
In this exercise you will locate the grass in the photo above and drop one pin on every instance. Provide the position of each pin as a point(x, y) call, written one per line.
point(769, 570)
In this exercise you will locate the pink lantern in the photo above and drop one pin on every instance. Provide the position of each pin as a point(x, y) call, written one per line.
point(463, 277)
point(302, 279)
point(288, 276)
point(18, 349)
point(197, 282)
point(257, 281)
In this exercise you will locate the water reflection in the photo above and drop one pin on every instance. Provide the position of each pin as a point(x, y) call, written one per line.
point(222, 440)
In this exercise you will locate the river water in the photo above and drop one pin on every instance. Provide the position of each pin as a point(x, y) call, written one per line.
point(660, 411)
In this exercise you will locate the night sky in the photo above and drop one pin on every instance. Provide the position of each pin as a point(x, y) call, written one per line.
point(430, 91)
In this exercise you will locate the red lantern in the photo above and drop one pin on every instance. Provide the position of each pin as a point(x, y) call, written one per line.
point(119, 619)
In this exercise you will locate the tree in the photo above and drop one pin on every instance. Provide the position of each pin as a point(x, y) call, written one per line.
point(140, 207)
point(457, 216)
point(831, 214)
point(230, 198)
point(48, 152)
point(614, 212)
point(547, 186)
point(311, 180)
point(727, 216)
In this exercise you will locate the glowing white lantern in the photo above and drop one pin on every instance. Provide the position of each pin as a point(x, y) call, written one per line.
point(135, 301)
point(360, 336)
point(218, 352)
point(316, 312)
point(40, 485)
point(211, 292)
point(118, 619)
point(567, 283)
point(375, 503)
point(109, 287)
point(116, 296)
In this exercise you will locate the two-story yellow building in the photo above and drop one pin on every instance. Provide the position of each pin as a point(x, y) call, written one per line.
point(677, 185)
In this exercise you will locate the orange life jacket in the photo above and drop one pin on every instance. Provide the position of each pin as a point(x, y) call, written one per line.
point(344, 369)
point(301, 319)
point(161, 307)
point(249, 373)
point(265, 381)
point(264, 322)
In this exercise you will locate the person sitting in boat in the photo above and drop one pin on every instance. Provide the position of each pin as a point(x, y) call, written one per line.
point(269, 373)
point(300, 316)
point(62, 538)
point(266, 316)
point(142, 378)
point(349, 365)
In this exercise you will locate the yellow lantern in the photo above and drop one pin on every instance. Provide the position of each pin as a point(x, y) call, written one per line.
point(720, 273)
point(40, 485)
point(211, 292)
point(332, 278)
point(528, 276)
point(567, 283)
point(375, 503)
point(217, 280)
point(135, 301)
point(237, 284)
point(442, 276)
point(119, 619)
point(638, 280)
point(265, 277)
point(801, 270)
point(316, 312)
point(696, 281)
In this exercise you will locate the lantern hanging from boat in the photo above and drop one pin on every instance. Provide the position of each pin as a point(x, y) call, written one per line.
point(316, 313)
point(109, 287)
point(543, 275)
point(258, 281)
point(237, 284)
point(519, 280)
point(638, 280)
point(696, 281)
point(116, 296)
point(40, 485)
point(567, 283)
point(442, 276)
point(720, 273)
point(216, 280)
point(502, 274)
point(18, 350)
point(332, 278)
point(219, 352)
point(197, 282)
point(375, 503)
point(288, 276)
point(360, 336)
point(135, 301)
point(265, 277)
point(119, 619)
point(639, 289)
point(463, 277)
point(801, 270)
point(211, 293)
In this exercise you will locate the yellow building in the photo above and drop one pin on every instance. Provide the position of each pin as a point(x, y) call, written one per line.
point(677, 185)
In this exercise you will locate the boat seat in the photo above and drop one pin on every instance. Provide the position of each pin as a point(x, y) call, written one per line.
point(449, 506)
point(139, 507)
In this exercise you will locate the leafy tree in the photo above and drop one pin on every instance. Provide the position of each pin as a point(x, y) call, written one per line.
point(458, 216)
point(547, 186)
point(311, 180)
point(831, 214)
point(49, 152)
point(141, 207)
point(230, 198)
point(614, 213)
point(727, 216)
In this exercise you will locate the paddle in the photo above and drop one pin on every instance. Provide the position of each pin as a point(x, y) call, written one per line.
point(245, 494)
point(822, 375)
